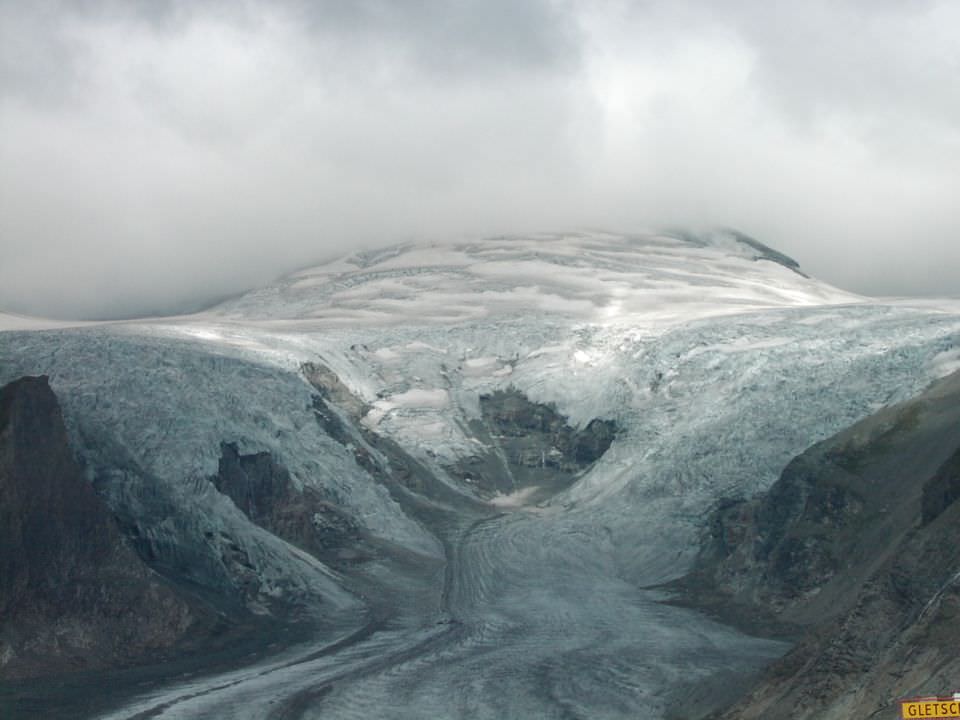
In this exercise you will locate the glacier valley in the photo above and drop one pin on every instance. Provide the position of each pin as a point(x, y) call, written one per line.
point(485, 576)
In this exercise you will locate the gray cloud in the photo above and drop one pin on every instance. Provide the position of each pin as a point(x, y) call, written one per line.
point(158, 154)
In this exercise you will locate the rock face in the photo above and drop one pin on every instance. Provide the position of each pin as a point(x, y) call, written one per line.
point(942, 490)
point(531, 445)
point(858, 543)
point(512, 416)
point(263, 490)
point(73, 594)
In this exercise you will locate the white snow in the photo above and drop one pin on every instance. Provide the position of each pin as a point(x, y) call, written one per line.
point(516, 499)
point(597, 278)
point(421, 398)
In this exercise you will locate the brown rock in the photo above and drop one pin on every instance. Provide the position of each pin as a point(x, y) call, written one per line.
point(73, 594)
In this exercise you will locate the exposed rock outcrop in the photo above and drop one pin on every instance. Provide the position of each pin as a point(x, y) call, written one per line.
point(530, 444)
point(332, 389)
point(73, 594)
point(264, 491)
point(858, 543)
point(942, 490)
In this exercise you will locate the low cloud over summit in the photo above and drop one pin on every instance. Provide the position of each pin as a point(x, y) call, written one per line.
point(155, 155)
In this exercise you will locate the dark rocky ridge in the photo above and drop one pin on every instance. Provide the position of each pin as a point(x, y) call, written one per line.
point(763, 252)
point(263, 490)
point(531, 445)
point(857, 545)
point(942, 490)
point(223, 632)
point(74, 595)
point(332, 389)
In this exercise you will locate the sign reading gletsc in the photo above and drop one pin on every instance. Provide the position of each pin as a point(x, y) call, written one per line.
point(930, 708)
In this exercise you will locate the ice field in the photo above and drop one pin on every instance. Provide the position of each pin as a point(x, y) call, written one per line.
point(716, 358)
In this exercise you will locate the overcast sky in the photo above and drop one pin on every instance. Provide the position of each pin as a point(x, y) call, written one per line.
point(155, 154)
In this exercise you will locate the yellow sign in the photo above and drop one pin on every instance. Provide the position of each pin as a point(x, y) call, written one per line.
point(932, 709)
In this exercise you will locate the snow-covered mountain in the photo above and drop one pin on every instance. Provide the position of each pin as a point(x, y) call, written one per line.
point(521, 434)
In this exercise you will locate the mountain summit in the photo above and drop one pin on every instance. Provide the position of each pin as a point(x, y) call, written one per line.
point(590, 277)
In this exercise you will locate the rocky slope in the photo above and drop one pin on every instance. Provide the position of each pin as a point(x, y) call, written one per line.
point(857, 545)
point(73, 594)
point(527, 447)
point(264, 491)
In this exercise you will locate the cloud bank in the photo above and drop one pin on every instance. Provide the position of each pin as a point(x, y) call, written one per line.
point(155, 155)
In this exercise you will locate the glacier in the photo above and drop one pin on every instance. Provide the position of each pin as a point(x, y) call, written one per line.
point(716, 358)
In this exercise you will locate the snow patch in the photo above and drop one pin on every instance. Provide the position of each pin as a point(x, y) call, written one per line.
point(421, 398)
point(515, 499)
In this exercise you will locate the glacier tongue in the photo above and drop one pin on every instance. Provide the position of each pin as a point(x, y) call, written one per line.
point(716, 364)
